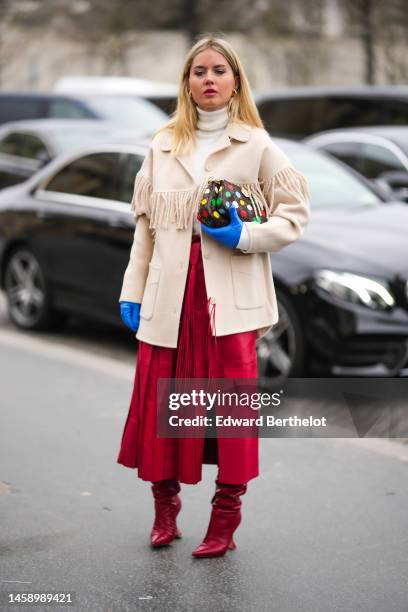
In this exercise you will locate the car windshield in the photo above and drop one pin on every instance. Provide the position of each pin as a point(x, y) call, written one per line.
point(129, 112)
point(331, 185)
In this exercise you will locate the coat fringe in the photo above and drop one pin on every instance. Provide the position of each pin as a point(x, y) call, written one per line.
point(179, 206)
point(288, 179)
point(142, 193)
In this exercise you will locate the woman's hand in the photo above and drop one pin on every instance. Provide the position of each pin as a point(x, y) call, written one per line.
point(230, 234)
point(130, 314)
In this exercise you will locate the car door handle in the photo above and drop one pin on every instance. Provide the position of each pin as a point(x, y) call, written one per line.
point(117, 222)
point(43, 214)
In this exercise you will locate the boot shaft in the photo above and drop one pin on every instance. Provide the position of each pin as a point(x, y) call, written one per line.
point(227, 496)
point(165, 489)
point(225, 518)
point(167, 505)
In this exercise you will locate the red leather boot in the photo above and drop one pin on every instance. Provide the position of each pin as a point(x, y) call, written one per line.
point(167, 506)
point(225, 518)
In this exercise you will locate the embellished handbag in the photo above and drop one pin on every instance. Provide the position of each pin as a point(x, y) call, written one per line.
point(217, 198)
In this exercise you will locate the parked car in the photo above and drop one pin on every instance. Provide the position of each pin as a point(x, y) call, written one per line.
point(129, 112)
point(26, 146)
point(163, 95)
point(66, 233)
point(343, 286)
point(65, 236)
point(380, 153)
point(298, 112)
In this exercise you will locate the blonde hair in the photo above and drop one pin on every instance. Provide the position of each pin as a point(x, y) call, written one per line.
point(241, 107)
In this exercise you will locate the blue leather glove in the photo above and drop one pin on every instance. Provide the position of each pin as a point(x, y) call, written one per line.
point(231, 233)
point(130, 314)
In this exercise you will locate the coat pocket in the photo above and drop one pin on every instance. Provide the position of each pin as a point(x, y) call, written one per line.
point(248, 282)
point(150, 292)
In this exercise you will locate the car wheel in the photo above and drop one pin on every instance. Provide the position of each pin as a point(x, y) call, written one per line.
point(28, 294)
point(281, 352)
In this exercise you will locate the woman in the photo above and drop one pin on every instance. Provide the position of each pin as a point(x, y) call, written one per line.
point(200, 297)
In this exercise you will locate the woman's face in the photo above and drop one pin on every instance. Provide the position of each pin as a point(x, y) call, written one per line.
point(211, 71)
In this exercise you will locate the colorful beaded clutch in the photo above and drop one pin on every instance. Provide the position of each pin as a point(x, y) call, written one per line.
point(217, 198)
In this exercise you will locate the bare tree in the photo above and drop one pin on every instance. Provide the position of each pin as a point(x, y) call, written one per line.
point(298, 26)
point(393, 42)
point(381, 27)
point(5, 47)
point(362, 19)
point(107, 28)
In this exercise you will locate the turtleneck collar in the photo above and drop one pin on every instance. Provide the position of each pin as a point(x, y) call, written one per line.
point(210, 121)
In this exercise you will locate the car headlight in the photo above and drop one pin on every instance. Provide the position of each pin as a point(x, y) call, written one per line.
point(357, 289)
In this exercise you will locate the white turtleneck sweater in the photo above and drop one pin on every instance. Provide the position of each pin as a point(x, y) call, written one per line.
point(210, 126)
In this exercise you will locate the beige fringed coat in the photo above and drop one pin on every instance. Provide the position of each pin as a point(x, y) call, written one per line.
point(238, 282)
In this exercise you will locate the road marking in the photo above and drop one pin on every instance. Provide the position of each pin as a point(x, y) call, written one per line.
point(18, 581)
point(67, 354)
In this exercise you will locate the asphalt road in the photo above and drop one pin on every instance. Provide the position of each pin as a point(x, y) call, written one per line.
point(325, 526)
point(81, 333)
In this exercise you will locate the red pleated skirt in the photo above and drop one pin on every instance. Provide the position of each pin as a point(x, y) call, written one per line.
point(198, 355)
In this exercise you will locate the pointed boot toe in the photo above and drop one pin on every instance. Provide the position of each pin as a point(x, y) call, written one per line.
point(212, 549)
point(225, 518)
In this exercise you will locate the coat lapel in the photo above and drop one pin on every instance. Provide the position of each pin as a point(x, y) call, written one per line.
point(236, 131)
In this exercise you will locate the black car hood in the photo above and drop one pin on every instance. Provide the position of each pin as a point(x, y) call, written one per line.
point(368, 239)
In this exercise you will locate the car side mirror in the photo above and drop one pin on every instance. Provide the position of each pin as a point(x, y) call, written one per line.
point(397, 182)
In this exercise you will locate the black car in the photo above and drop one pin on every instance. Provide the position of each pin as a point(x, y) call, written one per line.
point(65, 236)
point(66, 233)
point(298, 112)
point(27, 146)
point(380, 153)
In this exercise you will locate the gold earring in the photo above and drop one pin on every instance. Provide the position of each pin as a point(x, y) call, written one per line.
point(189, 93)
point(234, 92)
